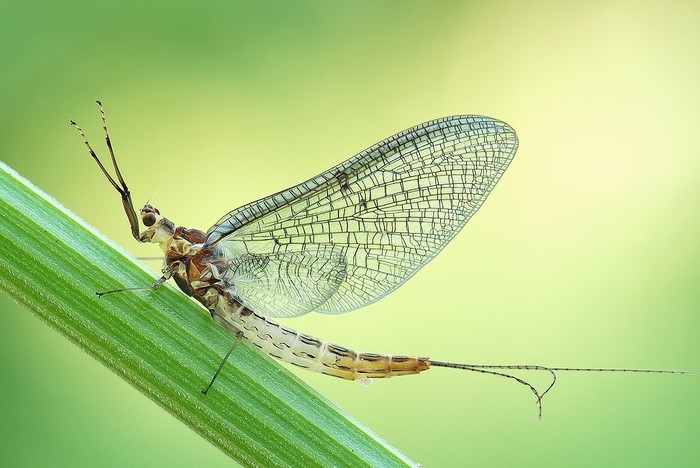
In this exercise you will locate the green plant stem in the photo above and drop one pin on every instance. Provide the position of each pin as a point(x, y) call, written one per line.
point(165, 345)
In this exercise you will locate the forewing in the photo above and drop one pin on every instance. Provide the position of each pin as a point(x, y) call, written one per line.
point(389, 209)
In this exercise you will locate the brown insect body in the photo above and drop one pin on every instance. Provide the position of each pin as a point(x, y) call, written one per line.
point(202, 272)
point(339, 241)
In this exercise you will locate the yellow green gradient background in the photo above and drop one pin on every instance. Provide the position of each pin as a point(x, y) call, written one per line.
point(586, 254)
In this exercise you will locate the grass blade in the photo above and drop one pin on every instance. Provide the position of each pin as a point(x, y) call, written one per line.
point(165, 345)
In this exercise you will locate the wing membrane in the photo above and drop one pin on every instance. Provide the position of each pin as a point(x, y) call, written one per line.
point(387, 210)
point(287, 284)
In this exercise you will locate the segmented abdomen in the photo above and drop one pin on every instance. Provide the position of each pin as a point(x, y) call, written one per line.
point(311, 353)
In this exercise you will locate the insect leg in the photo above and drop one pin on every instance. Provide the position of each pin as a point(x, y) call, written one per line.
point(121, 187)
point(239, 336)
point(166, 276)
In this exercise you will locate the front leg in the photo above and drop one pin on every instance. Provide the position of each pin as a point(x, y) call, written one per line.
point(121, 187)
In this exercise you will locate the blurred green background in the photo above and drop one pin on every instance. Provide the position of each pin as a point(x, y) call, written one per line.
point(586, 254)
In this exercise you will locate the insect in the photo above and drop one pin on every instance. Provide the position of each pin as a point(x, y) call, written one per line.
point(339, 241)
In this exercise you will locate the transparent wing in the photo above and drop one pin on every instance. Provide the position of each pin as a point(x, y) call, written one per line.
point(287, 284)
point(386, 211)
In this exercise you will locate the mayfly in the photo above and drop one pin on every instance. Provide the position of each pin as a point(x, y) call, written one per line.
point(339, 241)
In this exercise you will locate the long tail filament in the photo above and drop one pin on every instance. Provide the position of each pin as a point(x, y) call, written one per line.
point(494, 370)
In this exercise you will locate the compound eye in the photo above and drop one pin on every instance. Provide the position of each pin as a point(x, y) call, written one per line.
point(149, 219)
